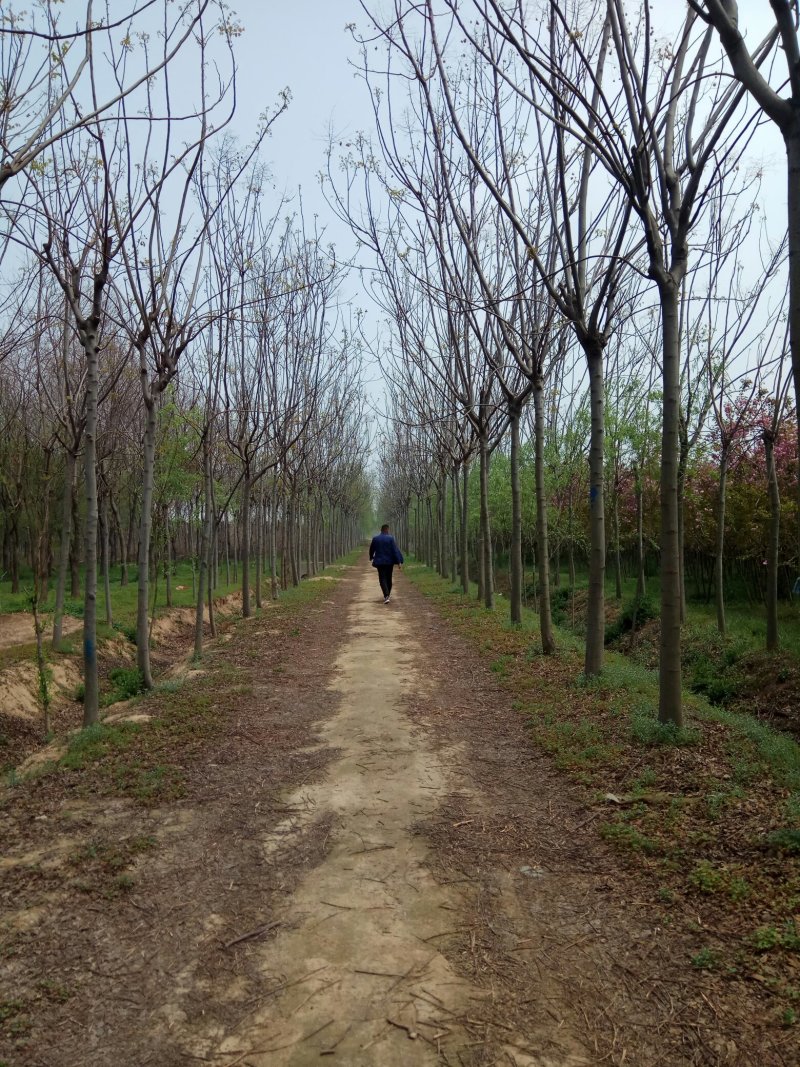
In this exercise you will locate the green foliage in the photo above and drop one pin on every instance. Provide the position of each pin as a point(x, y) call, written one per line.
point(682, 816)
point(127, 630)
point(784, 841)
point(706, 877)
point(787, 937)
point(95, 742)
point(705, 960)
point(103, 865)
point(55, 991)
point(559, 602)
point(738, 889)
point(647, 730)
point(127, 682)
point(152, 783)
point(628, 837)
point(635, 613)
point(715, 681)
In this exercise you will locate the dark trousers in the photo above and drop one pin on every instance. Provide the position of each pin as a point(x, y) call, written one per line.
point(385, 577)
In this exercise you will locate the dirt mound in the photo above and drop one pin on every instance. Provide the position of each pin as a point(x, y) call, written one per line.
point(17, 628)
point(20, 686)
point(770, 690)
point(176, 621)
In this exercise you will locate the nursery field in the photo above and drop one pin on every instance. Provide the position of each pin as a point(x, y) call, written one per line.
point(459, 852)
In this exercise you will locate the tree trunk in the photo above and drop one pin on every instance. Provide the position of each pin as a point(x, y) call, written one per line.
point(129, 553)
point(14, 554)
point(293, 538)
point(227, 551)
point(773, 638)
point(259, 543)
point(670, 704)
point(429, 534)
point(542, 533)
point(145, 531)
point(486, 530)
point(309, 539)
point(74, 549)
point(683, 463)
point(91, 698)
point(465, 529)
point(123, 562)
point(571, 543)
point(442, 526)
point(792, 142)
point(273, 545)
point(106, 560)
point(617, 558)
point(246, 490)
point(284, 544)
point(641, 586)
point(167, 559)
point(719, 548)
point(595, 610)
point(66, 538)
point(516, 519)
point(203, 558)
point(454, 526)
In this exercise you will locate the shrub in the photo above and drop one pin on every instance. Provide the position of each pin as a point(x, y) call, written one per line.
point(559, 599)
point(128, 631)
point(784, 841)
point(127, 681)
point(647, 730)
point(717, 682)
point(635, 613)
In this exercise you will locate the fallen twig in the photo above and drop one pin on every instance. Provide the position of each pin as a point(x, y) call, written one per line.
point(259, 930)
point(412, 1033)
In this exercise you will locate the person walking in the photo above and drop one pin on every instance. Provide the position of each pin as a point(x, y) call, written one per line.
point(384, 554)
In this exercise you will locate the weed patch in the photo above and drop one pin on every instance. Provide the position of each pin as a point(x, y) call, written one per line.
point(103, 866)
point(628, 837)
point(127, 682)
point(647, 730)
point(710, 810)
point(94, 742)
point(635, 613)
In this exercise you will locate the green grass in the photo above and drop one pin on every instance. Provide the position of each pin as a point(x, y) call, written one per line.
point(94, 742)
point(705, 960)
point(746, 622)
point(709, 812)
point(123, 597)
point(760, 749)
point(143, 760)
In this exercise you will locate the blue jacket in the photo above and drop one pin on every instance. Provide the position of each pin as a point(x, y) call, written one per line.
point(383, 551)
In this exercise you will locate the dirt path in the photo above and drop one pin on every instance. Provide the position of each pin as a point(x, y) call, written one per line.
point(367, 864)
point(363, 973)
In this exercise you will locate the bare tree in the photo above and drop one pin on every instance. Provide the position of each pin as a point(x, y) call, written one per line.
point(45, 68)
point(783, 111)
point(589, 231)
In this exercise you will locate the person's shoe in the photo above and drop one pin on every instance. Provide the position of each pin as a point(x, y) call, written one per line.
point(389, 597)
point(386, 600)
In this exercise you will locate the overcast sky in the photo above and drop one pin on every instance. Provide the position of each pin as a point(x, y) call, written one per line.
point(302, 45)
